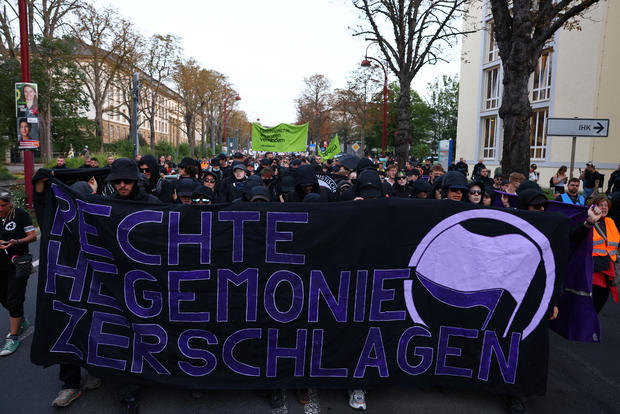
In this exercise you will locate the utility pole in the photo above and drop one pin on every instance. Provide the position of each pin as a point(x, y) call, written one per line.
point(135, 96)
point(24, 53)
point(213, 135)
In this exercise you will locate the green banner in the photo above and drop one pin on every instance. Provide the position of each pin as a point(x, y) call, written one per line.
point(280, 138)
point(332, 149)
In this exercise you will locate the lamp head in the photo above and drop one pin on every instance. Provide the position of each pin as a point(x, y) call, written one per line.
point(365, 63)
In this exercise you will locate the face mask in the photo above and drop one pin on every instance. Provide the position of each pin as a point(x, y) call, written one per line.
point(267, 181)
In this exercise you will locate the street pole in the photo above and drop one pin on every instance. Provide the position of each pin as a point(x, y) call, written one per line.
point(135, 95)
point(572, 156)
point(24, 51)
point(213, 136)
point(366, 64)
point(237, 98)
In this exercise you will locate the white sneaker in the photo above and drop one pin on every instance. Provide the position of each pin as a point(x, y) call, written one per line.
point(357, 400)
point(66, 397)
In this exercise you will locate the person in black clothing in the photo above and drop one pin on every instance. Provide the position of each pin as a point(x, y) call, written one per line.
point(426, 168)
point(614, 182)
point(462, 167)
point(477, 172)
point(156, 186)
point(270, 182)
point(209, 180)
point(306, 182)
point(60, 163)
point(592, 180)
point(232, 187)
point(16, 232)
point(124, 176)
point(484, 178)
point(421, 189)
point(401, 188)
point(86, 161)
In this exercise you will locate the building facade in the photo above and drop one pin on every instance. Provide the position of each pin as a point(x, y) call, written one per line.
point(576, 76)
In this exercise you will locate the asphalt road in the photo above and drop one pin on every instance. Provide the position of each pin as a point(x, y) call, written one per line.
point(583, 378)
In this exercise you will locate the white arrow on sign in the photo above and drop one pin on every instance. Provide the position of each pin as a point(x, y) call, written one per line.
point(578, 127)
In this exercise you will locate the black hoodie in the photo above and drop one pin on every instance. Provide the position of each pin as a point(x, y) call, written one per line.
point(304, 176)
point(157, 186)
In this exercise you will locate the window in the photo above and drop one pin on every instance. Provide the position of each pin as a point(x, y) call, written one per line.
point(541, 89)
point(538, 134)
point(492, 50)
point(488, 137)
point(491, 94)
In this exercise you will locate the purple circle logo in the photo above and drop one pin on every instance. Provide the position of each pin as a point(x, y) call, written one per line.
point(464, 269)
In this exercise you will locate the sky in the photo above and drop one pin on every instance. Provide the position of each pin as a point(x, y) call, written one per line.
point(267, 47)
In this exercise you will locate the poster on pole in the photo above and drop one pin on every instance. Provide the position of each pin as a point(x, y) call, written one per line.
point(280, 138)
point(27, 114)
point(445, 153)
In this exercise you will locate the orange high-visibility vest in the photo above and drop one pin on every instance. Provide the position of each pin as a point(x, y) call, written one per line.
point(602, 247)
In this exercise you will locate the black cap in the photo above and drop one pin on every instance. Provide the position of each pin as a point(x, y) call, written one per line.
point(204, 192)
point(531, 197)
point(123, 169)
point(265, 161)
point(259, 192)
point(312, 198)
point(369, 184)
point(185, 187)
point(237, 155)
point(238, 165)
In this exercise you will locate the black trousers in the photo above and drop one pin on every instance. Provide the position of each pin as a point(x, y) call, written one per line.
point(70, 375)
point(599, 296)
point(12, 291)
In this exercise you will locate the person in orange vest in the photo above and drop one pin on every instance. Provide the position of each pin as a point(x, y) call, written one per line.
point(605, 254)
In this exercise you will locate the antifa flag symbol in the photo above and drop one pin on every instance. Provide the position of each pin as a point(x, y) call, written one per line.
point(476, 275)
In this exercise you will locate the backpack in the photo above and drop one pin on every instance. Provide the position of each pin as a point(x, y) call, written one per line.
point(551, 185)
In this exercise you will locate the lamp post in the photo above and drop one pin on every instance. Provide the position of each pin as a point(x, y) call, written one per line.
point(24, 50)
point(366, 63)
point(237, 98)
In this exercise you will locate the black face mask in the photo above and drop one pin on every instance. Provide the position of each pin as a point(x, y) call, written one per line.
point(267, 181)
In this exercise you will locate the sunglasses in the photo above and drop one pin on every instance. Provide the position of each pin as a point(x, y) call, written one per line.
point(117, 182)
point(475, 192)
point(456, 190)
point(145, 170)
point(402, 178)
point(538, 207)
point(204, 200)
point(211, 180)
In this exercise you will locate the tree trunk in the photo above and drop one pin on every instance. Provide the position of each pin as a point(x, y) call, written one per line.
point(402, 138)
point(516, 112)
point(45, 132)
point(190, 135)
point(99, 127)
point(152, 128)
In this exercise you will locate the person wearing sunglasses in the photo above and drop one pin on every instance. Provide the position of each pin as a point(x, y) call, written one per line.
point(124, 176)
point(401, 187)
point(475, 192)
point(203, 196)
point(157, 185)
point(454, 186)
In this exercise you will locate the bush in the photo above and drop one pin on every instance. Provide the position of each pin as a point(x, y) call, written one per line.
point(164, 148)
point(184, 151)
point(5, 174)
point(19, 195)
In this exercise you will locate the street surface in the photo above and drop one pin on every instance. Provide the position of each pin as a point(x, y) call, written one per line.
point(583, 378)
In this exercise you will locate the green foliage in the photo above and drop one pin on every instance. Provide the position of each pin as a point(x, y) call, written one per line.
point(420, 151)
point(19, 195)
point(9, 74)
point(165, 148)
point(5, 174)
point(444, 101)
point(184, 151)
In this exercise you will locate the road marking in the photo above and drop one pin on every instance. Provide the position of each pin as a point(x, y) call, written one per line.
point(35, 263)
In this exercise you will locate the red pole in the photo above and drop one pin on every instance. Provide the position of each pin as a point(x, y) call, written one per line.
point(25, 64)
point(385, 94)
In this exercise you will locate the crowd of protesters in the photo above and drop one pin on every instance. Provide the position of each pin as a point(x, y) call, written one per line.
point(301, 178)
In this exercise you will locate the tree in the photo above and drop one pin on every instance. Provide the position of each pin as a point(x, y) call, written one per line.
point(521, 29)
point(47, 22)
point(106, 42)
point(161, 53)
point(420, 31)
point(444, 103)
point(186, 78)
point(312, 102)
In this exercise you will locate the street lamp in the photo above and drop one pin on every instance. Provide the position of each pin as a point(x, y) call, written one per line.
point(366, 64)
point(237, 98)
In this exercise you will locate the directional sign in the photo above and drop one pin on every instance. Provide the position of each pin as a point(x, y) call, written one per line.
point(578, 127)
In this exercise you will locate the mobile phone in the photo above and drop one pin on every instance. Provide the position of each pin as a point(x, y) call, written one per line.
point(4, 242)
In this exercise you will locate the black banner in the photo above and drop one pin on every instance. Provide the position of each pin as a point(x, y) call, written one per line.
point(266, 295)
